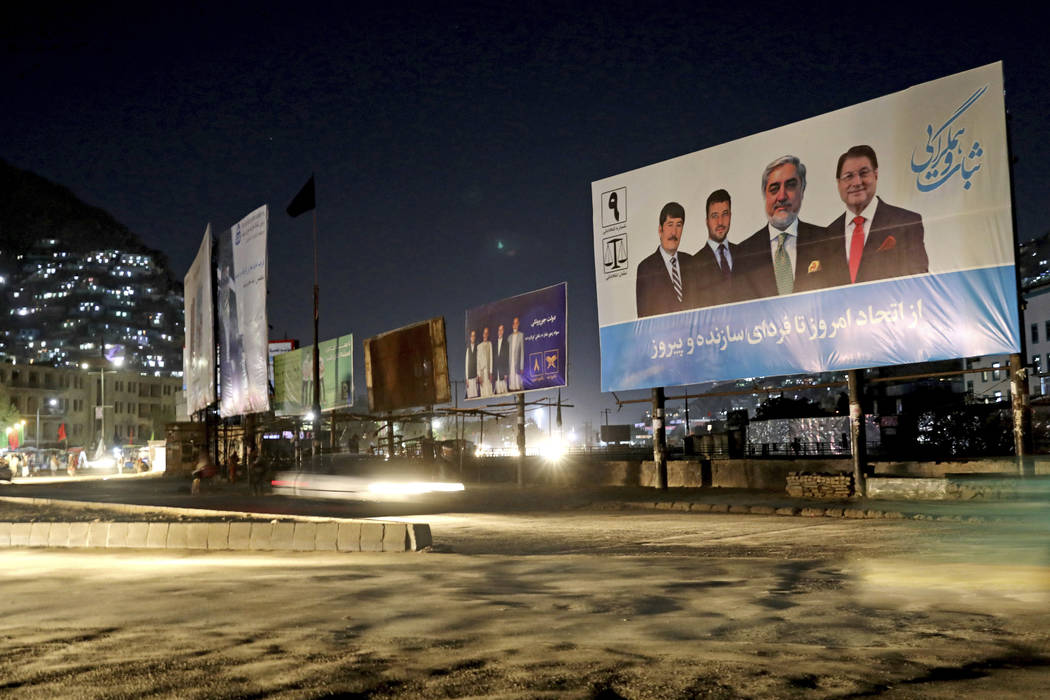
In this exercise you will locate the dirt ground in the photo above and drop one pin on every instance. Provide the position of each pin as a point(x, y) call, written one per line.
point(547, 605)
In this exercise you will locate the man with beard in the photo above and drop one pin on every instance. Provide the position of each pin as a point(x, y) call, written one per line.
point(714, 262)
point(775, 259)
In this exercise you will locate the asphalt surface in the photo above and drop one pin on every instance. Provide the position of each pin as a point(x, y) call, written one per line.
point(582, 602)
point(160, 490)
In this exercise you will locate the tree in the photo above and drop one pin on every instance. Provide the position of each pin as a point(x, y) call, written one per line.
point(783, 407)
point(9, 415)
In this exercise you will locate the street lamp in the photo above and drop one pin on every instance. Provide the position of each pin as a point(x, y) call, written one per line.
point(50, 402)
point(117, 361)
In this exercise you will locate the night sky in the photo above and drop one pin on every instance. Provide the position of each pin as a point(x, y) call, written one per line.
point(453, 148)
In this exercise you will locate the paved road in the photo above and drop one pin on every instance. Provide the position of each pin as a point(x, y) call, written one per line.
point(533, 602)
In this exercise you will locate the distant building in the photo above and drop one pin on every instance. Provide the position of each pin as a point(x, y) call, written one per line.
point(65, 307)
point(136, 407)
point(1033, 262)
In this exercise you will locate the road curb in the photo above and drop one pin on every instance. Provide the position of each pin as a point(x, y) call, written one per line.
point(257, 532)
point(817, 510)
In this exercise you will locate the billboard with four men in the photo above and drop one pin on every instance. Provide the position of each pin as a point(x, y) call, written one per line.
point(878, 234)
point(517, 344)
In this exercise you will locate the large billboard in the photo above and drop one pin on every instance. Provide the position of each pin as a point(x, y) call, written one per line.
point(516, 344)
point(293, 372)
point(878, 234)
point(407, 367)
point(243, 333)
point(198, 355)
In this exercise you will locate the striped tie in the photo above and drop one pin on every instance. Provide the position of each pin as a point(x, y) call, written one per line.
point(676, 279)
point(782, 266)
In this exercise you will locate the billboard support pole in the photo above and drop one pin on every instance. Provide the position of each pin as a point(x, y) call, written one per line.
point(856, 432)
point(659, 438)
point(521, 439)
point(1022, 415)
point(428, 448)
point(481, 440)
point(390, 438)
point(458, 422)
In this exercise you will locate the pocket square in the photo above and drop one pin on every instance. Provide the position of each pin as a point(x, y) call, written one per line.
point(889, 244)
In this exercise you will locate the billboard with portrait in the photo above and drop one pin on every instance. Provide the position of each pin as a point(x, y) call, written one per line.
point(875, 235)
point(198, 355)
point(407, 367)
point(517, 344)
point(241, 308)
point(293, 372)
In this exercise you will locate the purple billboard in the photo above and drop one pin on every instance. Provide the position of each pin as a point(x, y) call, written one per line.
point(517, 344)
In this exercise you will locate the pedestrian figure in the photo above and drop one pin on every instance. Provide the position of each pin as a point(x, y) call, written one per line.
point(255, 475)
point(231, 463)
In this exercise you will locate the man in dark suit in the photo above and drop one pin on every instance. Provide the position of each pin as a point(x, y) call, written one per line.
point(871, 240)
point(714, 263)
point(472, 366)
point(502, 360)
point(665, 281)
point(774, 260)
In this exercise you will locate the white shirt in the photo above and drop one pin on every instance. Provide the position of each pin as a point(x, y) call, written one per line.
point(789, 244)
point(667, 262)
point(868, 214)
point(718, 258)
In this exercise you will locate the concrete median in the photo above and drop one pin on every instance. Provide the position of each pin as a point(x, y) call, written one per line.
point(173, 528)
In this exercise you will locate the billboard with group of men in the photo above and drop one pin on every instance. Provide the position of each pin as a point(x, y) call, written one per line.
point(517, 344)
point(878, 234)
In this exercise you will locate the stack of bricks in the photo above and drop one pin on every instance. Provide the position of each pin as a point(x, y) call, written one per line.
point(824, 486)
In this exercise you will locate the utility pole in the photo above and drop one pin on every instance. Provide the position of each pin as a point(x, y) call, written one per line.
point(1022, 415)
point(856, 431)
point(521, 439)
point(659, 438)
point(456, 422)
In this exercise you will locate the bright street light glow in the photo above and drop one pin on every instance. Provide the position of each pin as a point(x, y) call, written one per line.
point(552, 450)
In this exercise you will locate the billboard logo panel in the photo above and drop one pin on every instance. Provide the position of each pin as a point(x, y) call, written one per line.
point(614, 207)
point(614, 251)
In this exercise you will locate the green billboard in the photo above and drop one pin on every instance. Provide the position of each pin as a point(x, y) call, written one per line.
point(293, 377)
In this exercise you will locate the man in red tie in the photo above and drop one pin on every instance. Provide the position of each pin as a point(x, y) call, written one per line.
point(872, 240)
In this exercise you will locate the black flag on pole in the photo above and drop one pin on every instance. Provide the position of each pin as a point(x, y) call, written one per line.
point(304, 201)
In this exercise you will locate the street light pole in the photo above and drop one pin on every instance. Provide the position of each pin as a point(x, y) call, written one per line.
point(117, 362)
point(102, 404)
point(50, 402)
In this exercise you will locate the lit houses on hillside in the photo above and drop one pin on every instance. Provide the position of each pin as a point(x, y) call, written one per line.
point(64, 308)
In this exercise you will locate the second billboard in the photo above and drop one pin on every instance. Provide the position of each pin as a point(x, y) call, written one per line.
point(517, 344)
